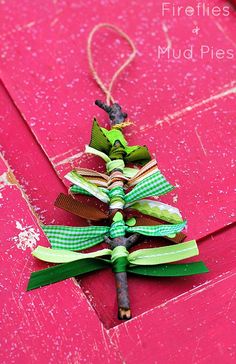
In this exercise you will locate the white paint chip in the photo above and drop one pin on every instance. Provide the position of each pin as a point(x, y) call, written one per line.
point(175, 198)
point(27, 237)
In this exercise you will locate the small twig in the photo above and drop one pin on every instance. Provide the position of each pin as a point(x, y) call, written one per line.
point(132, 240)
point(124, 312)
point(116, 115)
point(108, 240)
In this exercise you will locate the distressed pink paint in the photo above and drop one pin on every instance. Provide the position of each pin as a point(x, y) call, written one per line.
point(184, 110)
point(48, 325)
point(57, 323)
point(179, 106)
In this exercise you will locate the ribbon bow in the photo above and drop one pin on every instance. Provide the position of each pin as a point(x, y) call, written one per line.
point(104, 141)
point(78, 238)
point(147, 182)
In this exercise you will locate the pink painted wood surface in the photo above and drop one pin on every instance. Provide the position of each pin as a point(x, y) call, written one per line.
point(57, 324)
point(175, 320)
point(30, 165)
point(42, 186)
point(49, 325)
point(44, 67)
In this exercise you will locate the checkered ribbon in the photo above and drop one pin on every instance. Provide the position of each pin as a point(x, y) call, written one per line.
point(153, 185)
point(78, 238)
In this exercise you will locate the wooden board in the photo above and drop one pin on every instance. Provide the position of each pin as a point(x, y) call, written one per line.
point(58, 324)
point(185, 112)
point(180, 107)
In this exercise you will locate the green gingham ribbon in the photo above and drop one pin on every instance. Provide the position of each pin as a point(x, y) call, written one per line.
point(154, 185)
point(149, 262)
point(78, 238)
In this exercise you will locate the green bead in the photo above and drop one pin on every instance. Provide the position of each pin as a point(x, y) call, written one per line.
point(131, 222)
point(118, 217)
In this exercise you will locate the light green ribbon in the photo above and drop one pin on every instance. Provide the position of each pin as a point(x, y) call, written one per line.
point(157, 209)
point(112, 164)
point(151, 256)
point(64, 256)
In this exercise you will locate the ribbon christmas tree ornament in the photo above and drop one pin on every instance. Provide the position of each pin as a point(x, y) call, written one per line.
point(127, 193)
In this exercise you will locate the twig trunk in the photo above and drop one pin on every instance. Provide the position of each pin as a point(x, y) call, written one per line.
point(122, 292)
point(124, 311)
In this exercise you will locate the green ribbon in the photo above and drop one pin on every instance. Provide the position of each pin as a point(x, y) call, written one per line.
point(153, 185)
point(157, 209)
point(103, 140)
point(112, 164)
point(150, 262)
point(150, 256)
point(170, 270)
point(78, 238)
point(63, 271)
point(65, 256)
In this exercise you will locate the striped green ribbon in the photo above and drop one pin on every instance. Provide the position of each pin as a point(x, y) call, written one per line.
point(78, 238)
point(150, 256)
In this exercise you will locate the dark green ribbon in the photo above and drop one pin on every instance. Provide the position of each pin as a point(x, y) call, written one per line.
point(170, 270)
point(63, 271)
point(120, 265)
point(104, 141)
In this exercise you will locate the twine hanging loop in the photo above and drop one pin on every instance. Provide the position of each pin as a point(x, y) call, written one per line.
point(108, 90)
